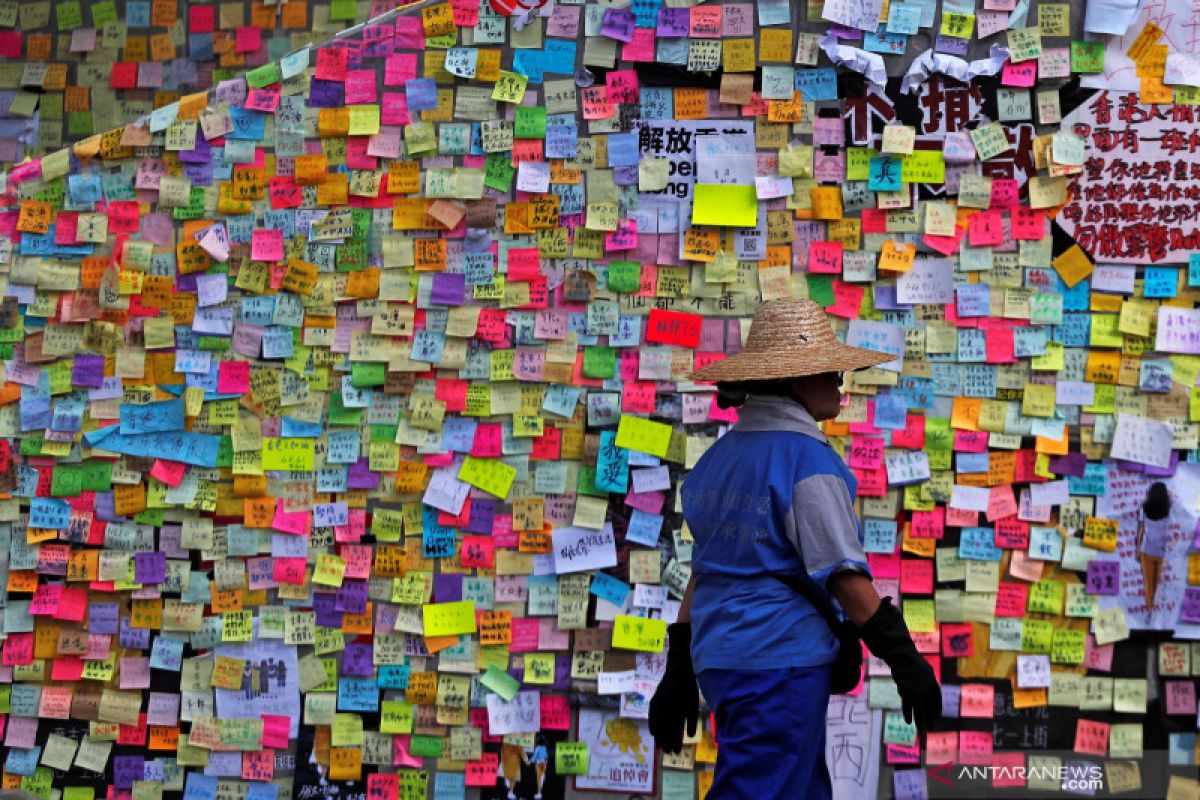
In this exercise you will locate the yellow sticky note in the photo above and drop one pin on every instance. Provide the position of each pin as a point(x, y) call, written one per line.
point(638, 633)
point(492, 476)
point(364, 120)
point(449, 619)
point(1073, 265)
point(510, 88)
point(718, 204)
point(643, 435)
point(330, 570)
point(897, 258)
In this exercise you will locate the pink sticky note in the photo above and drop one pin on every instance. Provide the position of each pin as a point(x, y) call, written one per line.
point(266, 245)
point(275, 730)
point(1181, 698)
point(1023, 75)
point(233, 377)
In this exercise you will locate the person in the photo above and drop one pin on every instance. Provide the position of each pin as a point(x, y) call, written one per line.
point(772, 498)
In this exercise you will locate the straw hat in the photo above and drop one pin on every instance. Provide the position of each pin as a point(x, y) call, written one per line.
point(790, 339)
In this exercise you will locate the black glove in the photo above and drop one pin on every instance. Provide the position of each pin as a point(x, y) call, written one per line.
point(677, 699)
point(887, 637)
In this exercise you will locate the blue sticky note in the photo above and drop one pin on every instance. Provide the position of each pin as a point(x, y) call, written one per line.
point(247, 125)
point(358, 694)
point(393, 676)
point(48, 513)
point(612, 465)
point(200, 787)
point(978, 544)
point(891, 411)
point(817, 84)
point(258, 790)
point(530, 64)
point(1161, 281)
point(644, 528)
point(137, 14)
point(972, 463)
point(623, 149)
point(167, 653)
point(884, 175)
point(1194, 269)
point(421, 94)
point(165, 415)
point(605, 586)
point(879, 535)
point(558, 57)
point(449, 785)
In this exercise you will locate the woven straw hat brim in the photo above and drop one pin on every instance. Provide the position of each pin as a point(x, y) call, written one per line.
point(792, 363)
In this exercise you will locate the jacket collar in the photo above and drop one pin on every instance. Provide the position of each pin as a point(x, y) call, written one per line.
point(767, 413)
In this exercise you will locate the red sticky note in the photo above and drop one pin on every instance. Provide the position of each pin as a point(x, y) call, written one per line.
point(331, 63)
point(123, 75)
point(674, 327)
point(201, 19)
point(249, 39)
point(169, 472)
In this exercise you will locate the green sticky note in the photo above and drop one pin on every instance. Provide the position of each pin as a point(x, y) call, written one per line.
point(499, 172)
point(264, 75)
point(599, 361)
point(96, 476)
point(571, 758)
point(364, 373)
point(501, 683)
point(530, 122)
point(430, 746)
point(624, 277)
point(69, 15)
point(1087, 57)
point(66, 482)
point(343, 9)
point(725, 205)
point(104, 13)
point(820, 290)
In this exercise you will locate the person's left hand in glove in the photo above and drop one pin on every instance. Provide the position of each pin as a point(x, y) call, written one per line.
point(677, 700)
point(882, 628)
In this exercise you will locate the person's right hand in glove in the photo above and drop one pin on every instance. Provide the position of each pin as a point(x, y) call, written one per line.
point(677, 700)
point(886, 635)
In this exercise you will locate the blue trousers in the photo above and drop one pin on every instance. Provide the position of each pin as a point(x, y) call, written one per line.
point(770, 733)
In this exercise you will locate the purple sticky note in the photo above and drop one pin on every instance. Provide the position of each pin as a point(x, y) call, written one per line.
point(134, 638)
point(1191, 605)
point(951, 698)
point(358, 660)
point(1103, 577)
point(325, 609)
point(673, 23)
point(483, 514)
point(360, 476)
point(325, 94)
point(617, 24)
point(201, 153)
point(352, 597)
point(1074, 464)
point(447, 588)
point(102, 618)
point(127, 769)
point(950, 44)
point(88, 371)
point(149, 567)
point(449, 288)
